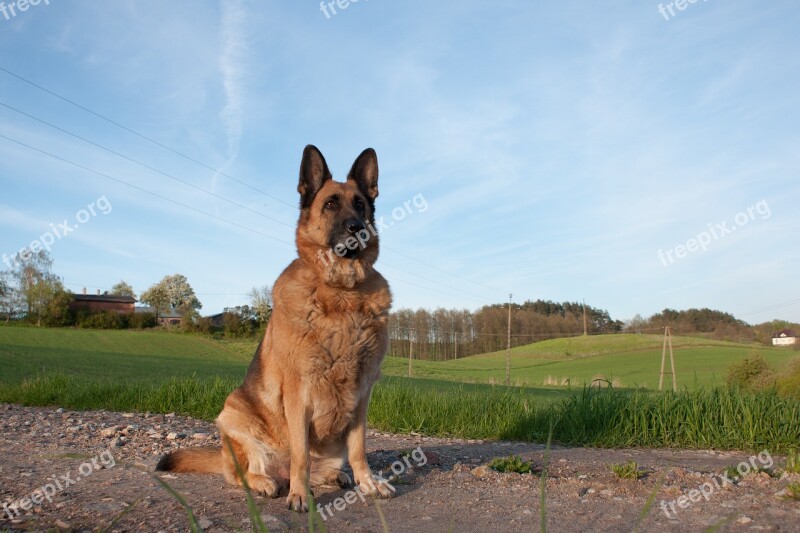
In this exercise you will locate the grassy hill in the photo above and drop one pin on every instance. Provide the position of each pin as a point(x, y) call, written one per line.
point(129, 355)
point(625, 360)
point(164, 372)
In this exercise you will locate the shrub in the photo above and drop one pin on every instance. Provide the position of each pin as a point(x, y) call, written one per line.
point(105, 320)
point(142, 320)
point(751, 373)
point(789, 380)
point(512, 463)
point(629, 470)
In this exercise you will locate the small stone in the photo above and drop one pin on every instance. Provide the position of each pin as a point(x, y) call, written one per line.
point(273, 523)
point(60, 410)
point(109, 432)
point(200, 436)
point(118, 442)
point(744, 520)
point(205, 523)
point(173, 436)
point(590, 491)
point(156, 436)
point(481, 471)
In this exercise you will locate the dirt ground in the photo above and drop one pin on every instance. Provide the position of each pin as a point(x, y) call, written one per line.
point(96, 471)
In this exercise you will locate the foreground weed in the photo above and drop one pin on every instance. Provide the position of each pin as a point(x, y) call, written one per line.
point(629, 470)
point(252, 508)
point(384, 523)
point(732, 473)
point(120, 516)
point(314, 525)
point(651, 500)
point(793, 461)
point(512, 463)
point(793, 490)
point(543, 481)
point(194, 525)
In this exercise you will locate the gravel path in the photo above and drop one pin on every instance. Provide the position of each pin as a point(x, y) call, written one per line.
point(91, 471)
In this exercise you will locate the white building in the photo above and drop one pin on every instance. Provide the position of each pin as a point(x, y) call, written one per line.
point(784, 338)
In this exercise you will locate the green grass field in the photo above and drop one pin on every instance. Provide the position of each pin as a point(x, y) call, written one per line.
point(169, 372)
point(625, 360)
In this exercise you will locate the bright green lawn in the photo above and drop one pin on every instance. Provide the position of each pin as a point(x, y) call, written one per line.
point(163, 372)
point(129, 355)
point(626, 360)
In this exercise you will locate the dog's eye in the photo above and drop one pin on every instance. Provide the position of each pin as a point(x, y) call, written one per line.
point(331, 205)
point(358, 204)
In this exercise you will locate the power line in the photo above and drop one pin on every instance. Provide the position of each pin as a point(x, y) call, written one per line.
point(141, 189)
point(189, 158)
point(181, 204)
point(143, 136)
point(144, 165)
point(772, 307)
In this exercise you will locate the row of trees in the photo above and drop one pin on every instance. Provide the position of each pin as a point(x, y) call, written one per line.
point(454, 333)
point(30, 289)
point(707, 322)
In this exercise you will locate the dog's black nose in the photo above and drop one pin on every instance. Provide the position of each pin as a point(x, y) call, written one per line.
point(354, 225)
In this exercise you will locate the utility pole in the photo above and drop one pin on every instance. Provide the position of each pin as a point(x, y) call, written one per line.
point(410, 352)
point(508, 346)
point(585, 332)
point(668, 339)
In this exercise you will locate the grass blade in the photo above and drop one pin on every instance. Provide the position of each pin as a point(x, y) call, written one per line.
point(252, 508)
point(194, 525)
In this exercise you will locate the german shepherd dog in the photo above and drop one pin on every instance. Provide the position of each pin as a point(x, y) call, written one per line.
point(303, 405)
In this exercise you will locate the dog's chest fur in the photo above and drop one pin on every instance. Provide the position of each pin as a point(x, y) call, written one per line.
point(349, 329)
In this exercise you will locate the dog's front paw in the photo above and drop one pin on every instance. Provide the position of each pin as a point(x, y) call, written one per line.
point(377, 486)
point(297, 502)
point(266, 486)
point(342, 480)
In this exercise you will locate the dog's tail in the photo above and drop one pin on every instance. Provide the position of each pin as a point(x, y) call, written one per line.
point(193, 460)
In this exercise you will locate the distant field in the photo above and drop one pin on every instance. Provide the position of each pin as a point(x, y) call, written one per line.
point(626, 360)
point(129, 355)
point(165, 372)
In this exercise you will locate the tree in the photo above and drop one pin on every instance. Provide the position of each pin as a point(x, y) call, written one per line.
point(36, 283)
point(157, 298)
point(11, 303)
point(172, 292)
point(261, 303)
point(123, 289)
point(56, 312)
point(181, 295)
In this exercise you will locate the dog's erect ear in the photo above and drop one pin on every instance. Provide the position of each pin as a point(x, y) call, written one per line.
point(313, 175)
point(365, 173)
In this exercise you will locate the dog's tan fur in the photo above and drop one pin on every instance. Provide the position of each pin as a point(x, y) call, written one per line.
point(303, 405)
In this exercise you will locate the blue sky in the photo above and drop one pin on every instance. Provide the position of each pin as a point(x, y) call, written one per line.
point(559, 147)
